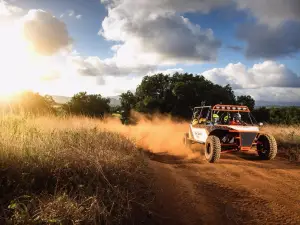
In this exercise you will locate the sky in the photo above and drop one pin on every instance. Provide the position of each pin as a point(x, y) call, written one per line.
point(62, 47)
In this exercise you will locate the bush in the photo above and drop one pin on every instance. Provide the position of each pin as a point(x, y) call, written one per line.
point(88, 105)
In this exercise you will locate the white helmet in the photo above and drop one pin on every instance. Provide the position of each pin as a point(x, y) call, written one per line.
point(237, 117)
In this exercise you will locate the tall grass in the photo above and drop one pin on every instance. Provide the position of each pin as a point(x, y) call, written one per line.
point(56, 171)
point(288, 139)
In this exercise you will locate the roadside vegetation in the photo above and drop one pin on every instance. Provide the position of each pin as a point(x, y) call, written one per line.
point(288, 140)
point(67, 171)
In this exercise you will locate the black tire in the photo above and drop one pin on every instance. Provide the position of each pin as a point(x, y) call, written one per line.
point(268, 148)
point(212, 149)
point(187, 142)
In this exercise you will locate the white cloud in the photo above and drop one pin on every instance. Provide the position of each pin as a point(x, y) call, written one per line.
point(266, 74)
point(272, 94)
point(156, 34)
point(7, 9)
point(78, 17)
point(157, 7)
point(94, 66)
point(46, 33)
point(267, 81)
point(272, 12)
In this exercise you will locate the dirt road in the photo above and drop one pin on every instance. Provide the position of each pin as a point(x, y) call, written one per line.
point(239, 189)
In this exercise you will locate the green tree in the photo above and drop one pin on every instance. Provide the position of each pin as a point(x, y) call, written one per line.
point(128, 101)
point(246, 100)
point(89, 105)
point(285, 115)
point(152, 93)
point(177, 94)
point(262, 114)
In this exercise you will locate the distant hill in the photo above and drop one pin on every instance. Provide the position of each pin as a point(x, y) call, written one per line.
point(60, 99)
point(114, 100)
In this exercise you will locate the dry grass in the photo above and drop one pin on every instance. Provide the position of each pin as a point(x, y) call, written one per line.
point(67, 171)
point(288, 140)
point(77, 170)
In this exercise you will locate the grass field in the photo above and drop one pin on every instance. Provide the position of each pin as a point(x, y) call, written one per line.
point(78, 170)
point(67, 171)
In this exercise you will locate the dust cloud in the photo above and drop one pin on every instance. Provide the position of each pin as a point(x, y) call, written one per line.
point(157, 134)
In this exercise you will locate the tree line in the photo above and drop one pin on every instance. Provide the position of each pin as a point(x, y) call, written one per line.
point(178, 94)
point(175, 95)
point(278, 115)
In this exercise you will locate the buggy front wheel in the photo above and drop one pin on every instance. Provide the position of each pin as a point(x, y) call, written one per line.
point(212, 149)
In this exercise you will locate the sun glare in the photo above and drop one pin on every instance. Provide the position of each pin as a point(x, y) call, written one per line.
point(20, 67)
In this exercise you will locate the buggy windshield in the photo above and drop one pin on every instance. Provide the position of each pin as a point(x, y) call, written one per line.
point(234, 118)
point(223, 115)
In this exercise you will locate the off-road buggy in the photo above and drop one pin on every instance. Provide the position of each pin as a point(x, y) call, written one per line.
point(225, 128)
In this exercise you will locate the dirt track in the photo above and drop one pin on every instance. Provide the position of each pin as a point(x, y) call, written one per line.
point(239, 189)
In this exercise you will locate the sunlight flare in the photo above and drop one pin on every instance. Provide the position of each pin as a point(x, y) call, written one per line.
point(21, 68)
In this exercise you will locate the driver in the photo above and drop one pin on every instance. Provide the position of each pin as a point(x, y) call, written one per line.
point(237, 119)
point(216, 118)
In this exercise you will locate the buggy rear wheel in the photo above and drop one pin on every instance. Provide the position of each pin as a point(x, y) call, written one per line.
point(267, 147)
point(212, 149)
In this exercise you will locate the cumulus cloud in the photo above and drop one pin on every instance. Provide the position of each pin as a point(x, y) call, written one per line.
point(277, 32)
point(266, 74)
point(156, 7)
point(94, 66)
point(272, 12)
point(271, 42)
point(46, 33)
point(266, 81)
point(7, 9)
point(272, 94)
point(107, 70)
point(156, 34)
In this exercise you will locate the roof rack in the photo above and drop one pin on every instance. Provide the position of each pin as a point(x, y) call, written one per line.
point(231, 108)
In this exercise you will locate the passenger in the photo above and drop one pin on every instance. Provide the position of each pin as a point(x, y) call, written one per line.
point(226, 119)
point(216, 118)
point(202, 120)
point(195, 122)
point(237, 119)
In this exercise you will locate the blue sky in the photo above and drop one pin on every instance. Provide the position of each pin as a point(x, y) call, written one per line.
point(245, 44)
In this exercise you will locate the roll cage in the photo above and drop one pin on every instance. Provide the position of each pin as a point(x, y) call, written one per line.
point(204, 114)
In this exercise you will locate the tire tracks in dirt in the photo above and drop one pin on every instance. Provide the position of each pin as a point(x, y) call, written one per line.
point(239, 189)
